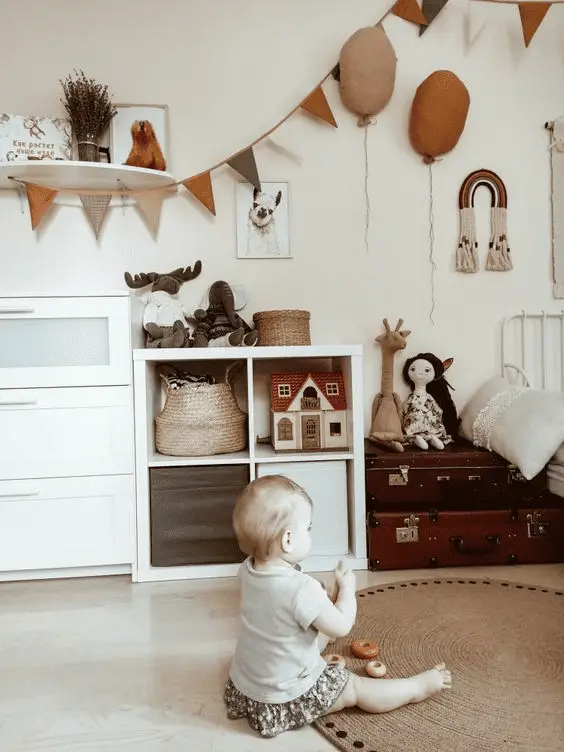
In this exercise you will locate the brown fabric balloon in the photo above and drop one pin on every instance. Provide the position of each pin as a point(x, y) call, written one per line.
point(367, 72)
point(438, 114)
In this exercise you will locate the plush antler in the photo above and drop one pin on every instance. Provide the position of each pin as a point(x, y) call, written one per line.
point(185, 275)
point(140, 280)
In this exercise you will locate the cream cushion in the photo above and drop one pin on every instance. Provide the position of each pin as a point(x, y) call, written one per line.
point(525, 426)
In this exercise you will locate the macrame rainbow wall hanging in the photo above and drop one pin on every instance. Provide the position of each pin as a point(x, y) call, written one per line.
point(499, 255)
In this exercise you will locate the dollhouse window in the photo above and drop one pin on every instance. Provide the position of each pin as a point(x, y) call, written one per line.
point(332, 389)
point(284, 390)
point(285, 429)
point(334, 429)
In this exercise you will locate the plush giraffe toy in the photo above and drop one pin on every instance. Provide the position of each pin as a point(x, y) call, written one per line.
point(386, 408)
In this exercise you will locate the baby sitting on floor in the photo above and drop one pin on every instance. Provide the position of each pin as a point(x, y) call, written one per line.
point(278, 679)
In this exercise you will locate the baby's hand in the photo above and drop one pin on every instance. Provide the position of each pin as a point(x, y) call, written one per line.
point(345, 579)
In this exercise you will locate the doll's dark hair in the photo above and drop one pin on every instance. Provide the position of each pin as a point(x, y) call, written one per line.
point(438, 388)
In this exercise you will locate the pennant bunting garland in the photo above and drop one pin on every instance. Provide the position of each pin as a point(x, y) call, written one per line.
point(316, 104)
point(201, 188)
point(244, 163)
point(475, 21)
point(39, 199)
point(431, 9)
point(410, 11)
point(150, 204)
point(96, 207)
point(532, 15)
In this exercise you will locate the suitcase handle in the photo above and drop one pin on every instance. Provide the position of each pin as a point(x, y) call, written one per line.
point(458, 543)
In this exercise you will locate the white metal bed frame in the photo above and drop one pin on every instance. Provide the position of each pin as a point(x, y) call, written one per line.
point(520, 320)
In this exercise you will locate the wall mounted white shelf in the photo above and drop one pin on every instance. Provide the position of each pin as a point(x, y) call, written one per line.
point(335, 479)
point(71, 175)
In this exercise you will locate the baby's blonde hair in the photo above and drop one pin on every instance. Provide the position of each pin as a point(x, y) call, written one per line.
point(263, 511)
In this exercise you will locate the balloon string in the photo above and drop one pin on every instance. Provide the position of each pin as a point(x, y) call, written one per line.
point(366, 193)
point(432, 244)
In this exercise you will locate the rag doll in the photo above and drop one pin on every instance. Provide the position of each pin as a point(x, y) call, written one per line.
point(218, 324)
point(164, 317)
point(429, 415)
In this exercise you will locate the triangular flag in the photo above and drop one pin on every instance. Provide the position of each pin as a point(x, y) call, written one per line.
point(96, 207)
point(150, 204)
point(317, 104)
point(244, 163)
point(39, 200)
point(410, 11)
point(431, 9)
point(532, 15)
point(201, 188)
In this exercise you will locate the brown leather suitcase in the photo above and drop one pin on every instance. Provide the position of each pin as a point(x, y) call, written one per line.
point(433, 538)
point(459, 477)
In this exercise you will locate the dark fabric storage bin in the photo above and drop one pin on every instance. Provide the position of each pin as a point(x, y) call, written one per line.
point(191, 514)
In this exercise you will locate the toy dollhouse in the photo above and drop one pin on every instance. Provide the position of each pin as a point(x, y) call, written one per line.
point(308, 412)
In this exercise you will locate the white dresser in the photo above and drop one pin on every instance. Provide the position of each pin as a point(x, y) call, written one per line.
point(66, 437)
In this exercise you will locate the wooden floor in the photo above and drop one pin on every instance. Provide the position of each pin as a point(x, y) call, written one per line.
point(102, 665)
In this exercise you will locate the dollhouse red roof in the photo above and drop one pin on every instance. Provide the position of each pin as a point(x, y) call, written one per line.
point(297, 380)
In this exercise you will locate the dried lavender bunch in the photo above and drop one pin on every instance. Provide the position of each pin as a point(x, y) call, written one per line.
point(89, 106)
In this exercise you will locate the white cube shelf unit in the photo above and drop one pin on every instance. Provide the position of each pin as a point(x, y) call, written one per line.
point(334, 479)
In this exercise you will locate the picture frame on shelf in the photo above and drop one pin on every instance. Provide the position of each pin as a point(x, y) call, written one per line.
point(120, 129)
point(263, 220)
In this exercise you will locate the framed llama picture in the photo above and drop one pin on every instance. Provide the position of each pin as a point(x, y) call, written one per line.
point(263, 221)
point(121, 137)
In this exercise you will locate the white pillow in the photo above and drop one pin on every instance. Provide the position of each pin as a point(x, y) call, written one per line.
point(525, 426)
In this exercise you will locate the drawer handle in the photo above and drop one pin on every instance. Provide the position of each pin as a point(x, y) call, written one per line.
point(19, 495)
point(17, 310)
point(18, 402)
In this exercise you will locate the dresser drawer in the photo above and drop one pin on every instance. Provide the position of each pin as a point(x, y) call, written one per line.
point(64, 342)
point(66, 522)
point(47, 433)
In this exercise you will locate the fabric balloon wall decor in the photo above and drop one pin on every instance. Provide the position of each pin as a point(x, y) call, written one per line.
point(367, 71)
point(438, 115)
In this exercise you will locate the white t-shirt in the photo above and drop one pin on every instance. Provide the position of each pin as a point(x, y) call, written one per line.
point(277, 656)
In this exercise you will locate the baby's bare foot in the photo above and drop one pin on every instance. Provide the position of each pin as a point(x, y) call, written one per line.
point(432, 681)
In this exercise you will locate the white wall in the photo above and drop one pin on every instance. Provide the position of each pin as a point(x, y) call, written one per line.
point(229, 70)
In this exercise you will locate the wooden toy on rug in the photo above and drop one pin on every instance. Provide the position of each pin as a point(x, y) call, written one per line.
point(335, 659)
point(164, 317)
point(375, 669)
point(367, 650)
point(386, 408)
point(499, 255)
point(429, 414)
point(145, 150)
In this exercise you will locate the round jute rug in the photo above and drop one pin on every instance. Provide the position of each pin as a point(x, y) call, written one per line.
point(503, 642)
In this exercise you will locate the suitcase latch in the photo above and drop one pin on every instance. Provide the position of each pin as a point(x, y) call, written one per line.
point(409, 533)
point(535, 527)
point(401, 478)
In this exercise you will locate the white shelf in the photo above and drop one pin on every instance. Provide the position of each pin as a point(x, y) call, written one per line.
point(265, 453)
point(81, 175)
point(342, 524)
point(240, 353)
point(165, 460)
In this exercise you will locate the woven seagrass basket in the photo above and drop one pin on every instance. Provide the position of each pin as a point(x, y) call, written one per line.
point(200, 419)
point(285, 327)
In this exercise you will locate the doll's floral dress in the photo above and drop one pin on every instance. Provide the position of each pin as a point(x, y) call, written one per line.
point(423, 417)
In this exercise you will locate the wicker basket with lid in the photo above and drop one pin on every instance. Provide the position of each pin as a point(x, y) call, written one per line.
point(283, 327)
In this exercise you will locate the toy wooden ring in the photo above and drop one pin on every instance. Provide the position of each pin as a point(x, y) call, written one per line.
point(365, 649)
point(375, 669)
point(334, 659)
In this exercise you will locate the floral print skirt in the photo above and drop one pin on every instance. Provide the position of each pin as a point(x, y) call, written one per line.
point(271, 719)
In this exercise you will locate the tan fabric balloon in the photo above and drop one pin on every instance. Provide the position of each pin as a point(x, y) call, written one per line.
point(438, 114)
point(367, 72)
